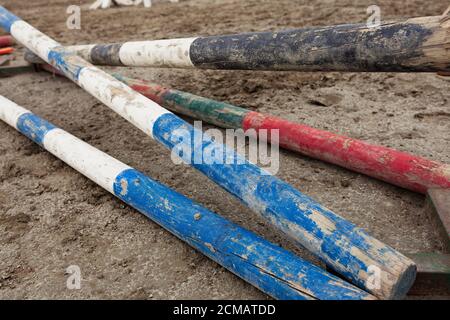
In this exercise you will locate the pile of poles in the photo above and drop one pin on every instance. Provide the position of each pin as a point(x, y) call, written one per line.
point(413, 45)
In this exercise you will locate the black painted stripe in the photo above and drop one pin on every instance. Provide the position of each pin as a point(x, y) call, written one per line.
point(106, 54)
point(339, 48)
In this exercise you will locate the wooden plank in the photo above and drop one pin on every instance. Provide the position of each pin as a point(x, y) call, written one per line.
point(399, 168)
point(390, 165)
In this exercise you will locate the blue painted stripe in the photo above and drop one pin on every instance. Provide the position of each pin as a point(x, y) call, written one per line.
point(245, 181)
point(34, 127)
point(240, 251)
point(280, 203)
point(62, 60)
point(7, 19)
point(272, 269)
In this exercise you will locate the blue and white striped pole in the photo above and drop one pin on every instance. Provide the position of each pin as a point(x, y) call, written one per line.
point(340, 244)
point(270, 268)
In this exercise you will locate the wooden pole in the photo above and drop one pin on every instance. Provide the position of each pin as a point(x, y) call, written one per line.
point(270, 268)
point(6, 41)
point(390, 165)
point(399, 168)
point(411, 45)
point(340, 244)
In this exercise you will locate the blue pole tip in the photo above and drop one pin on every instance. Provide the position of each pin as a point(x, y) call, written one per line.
point(7, 19)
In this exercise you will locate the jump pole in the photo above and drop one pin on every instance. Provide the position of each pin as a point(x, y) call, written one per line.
point(399, 168)
point(390, 165)
point(273, 270)
point(431, 276)
point(6, 41)
point(340, 244)
point(411, 45)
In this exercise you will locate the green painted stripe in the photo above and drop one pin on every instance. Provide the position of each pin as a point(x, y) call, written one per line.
point(219, 113)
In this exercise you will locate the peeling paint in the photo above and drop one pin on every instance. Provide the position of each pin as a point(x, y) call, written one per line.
point(390, 165)
point(273, 198)
point(158, 53)
point(320, 230)
point(390, 47)
point(411, 45)
point(197, 216)
point(446, 171)
point(124, 186)
point(212, 235)
point(272, 269)
point(34, 127)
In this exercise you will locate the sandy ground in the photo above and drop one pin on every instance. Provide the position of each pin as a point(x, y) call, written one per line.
point(51, 217)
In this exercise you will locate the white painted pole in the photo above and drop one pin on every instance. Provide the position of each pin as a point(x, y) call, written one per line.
point(270, 268)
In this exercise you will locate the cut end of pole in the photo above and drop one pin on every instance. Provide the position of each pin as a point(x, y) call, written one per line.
point(337, 241)
point(405, 282)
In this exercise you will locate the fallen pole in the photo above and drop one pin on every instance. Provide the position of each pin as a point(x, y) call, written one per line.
point(399, 168)
point(273, 270)
point(412, 45)
point(340, 244)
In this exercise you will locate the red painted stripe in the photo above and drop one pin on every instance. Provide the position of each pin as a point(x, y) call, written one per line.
point(6, 50)
point(6, 41)
point(152, 91)
point(399, 168)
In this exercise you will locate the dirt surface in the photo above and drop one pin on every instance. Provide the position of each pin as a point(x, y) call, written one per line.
point(51, 217)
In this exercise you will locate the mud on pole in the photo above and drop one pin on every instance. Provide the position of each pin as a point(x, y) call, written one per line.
point(399, 168)
point(412, 45)
point(270, 268)
point(340, 244)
